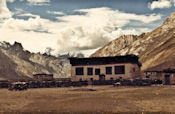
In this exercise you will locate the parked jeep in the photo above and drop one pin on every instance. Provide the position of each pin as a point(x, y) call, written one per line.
point(18, 86)
point(116, 84)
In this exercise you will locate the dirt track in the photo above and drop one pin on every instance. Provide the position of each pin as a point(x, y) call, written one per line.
point(90, 99)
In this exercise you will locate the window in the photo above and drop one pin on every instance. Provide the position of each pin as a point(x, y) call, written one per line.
point(147, 76)
point(80, 71)
point(97, 71)
point(89, 71)
point(119, 69)
point(108, 70)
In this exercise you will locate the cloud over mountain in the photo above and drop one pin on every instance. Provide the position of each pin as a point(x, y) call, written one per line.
point(160, 4)
point(86, 32)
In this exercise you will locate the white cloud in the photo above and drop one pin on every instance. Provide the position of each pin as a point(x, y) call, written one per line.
point(22, 25)
point(4, 11)
point(55, 12)
point(173, 1)
point(160, 4)
point(96, 28)
point(11, 1)
point(38, 2)
point(21, 12)
point(83, 33)
point(32, 41)
point(28, 15)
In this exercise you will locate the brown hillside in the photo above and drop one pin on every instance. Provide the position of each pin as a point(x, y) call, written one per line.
point(155, 49)
point(16, 63)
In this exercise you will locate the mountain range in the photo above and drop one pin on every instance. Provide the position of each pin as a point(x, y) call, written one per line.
point(156, 49)
point(17, 63)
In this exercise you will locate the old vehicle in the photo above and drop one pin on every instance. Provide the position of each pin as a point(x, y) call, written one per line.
point(18, 86)
point(133, 82)
point(117, 84)
point(142, 82)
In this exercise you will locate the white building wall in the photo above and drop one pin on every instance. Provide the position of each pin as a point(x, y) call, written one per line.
point(129, 72)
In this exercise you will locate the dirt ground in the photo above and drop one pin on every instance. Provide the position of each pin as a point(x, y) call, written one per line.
point(91, 99)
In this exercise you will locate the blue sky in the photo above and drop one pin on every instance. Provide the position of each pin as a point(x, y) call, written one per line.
point(78, 25)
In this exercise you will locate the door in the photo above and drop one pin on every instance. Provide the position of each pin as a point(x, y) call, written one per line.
point(167, 79)
point(102, 77)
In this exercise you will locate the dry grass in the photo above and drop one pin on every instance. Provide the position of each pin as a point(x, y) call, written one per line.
point(97, 99)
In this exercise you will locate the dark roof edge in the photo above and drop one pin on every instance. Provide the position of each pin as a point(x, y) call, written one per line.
point(42, 74)
point(130, 55)
point(74, 61)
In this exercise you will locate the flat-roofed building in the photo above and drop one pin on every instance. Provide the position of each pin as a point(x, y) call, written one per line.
point(105, 68)
point(153, 74)
point(168, 76)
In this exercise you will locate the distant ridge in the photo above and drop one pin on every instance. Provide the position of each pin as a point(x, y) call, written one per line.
point(16, 63)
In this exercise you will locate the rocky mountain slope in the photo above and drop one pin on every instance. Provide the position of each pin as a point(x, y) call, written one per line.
point(156, 49)
point(16, 63)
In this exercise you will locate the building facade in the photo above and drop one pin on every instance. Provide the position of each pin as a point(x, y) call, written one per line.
point(105, 68)
point(153, 74)
point(168, 76)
